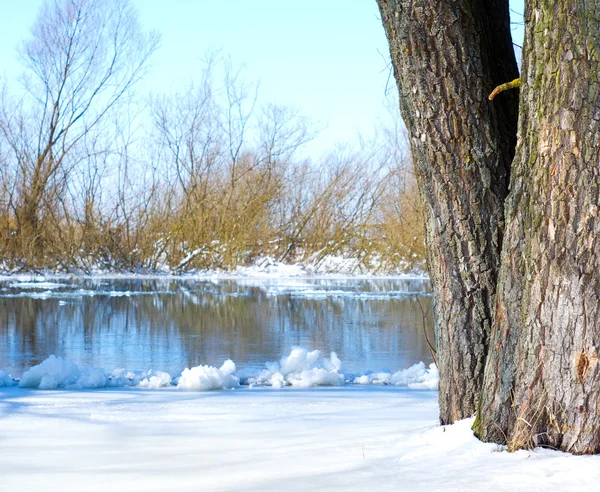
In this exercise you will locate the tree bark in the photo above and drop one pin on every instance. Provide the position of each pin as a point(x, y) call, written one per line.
point(448, 55)
point(542, 384)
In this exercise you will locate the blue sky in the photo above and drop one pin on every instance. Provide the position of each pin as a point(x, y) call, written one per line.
point(327, 58)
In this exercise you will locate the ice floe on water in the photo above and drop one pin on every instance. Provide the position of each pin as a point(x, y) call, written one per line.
point(301, 368)
point(6, 379)
point(37, 285)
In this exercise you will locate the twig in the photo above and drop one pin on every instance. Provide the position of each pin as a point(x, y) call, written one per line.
point(424, 314)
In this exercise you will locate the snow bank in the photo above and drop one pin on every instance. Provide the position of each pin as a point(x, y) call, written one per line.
point(352, 440)
point(373, 378)
point(269, 267)
point(415, 377)
point(55, 372)
point(37, 285)
point(263, 266)
point(155, 380)
point(301, 369)
point(121, 377)
point(6, 379)
point(209, 378)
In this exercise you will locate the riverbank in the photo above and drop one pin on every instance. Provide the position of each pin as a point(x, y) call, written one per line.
point(266, 266)
point(351, 439)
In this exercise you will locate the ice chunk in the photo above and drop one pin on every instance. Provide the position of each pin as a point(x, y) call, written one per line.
point(91, 377)
point(155, 380)
point(373, 378)
point(301, 369)
point(50, 374)
point(209, 377)
point(55, 372)
point(417, 377)
point(6, 379)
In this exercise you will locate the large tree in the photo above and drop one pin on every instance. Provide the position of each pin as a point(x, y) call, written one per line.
point(542, 294)
point(447, 57)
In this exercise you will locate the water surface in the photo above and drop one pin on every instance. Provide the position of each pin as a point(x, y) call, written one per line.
point(169, 324)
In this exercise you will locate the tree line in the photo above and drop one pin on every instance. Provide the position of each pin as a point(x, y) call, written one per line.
point(92, 175)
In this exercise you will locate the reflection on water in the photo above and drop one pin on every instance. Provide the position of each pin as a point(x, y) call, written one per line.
point(168, 324)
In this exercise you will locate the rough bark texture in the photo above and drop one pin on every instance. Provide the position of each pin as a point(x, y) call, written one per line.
point(448, 55)
point(542, 383)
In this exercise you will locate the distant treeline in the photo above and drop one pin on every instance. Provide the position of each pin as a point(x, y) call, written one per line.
point(92, 176)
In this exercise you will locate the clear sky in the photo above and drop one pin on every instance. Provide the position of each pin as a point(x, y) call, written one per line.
point(327, 58)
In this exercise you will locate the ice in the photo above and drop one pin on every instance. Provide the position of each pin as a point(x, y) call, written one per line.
point(269, 267)
point(91, 377)
point(155, 380)
point(6, 379)
point(55, 372)
point(37, 285)
point(302, 369)
point(417, 377)
point(209, 378)
point(380, 437)
point(122, 377)
point(373, 378)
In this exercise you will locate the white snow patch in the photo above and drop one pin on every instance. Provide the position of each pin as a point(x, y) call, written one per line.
point(122, 377)
point(301, 369)
point(6, 379)
point(379, 438)
point(155, 380)
point(55, 372)
point(209, 377)
point(269, 267)
point(37, 285)
point(417, 377)
point(373, 378)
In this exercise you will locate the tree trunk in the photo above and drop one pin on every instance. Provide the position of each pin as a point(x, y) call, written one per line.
point(448, 55)
point(542, 384)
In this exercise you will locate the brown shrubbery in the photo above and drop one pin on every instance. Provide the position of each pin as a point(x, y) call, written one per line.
point(202, 179)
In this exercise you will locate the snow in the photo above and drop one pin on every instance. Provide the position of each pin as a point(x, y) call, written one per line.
point(155, 380)
point(298, 424)
point(55, 372)
point(302, 368)
point(6, 379)
point(209, 378)
point(417, 377)
point(350, 438)
point(329, 266)
point(36, 285)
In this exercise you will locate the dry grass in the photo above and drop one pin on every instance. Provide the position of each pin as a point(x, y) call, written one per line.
point(201, 179)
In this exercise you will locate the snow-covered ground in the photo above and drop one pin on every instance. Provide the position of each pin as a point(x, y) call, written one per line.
point(371, 438)
point(300, 424)
point(264, 267)
point(278, 429)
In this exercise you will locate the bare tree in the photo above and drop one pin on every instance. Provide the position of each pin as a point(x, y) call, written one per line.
point(82, 60)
